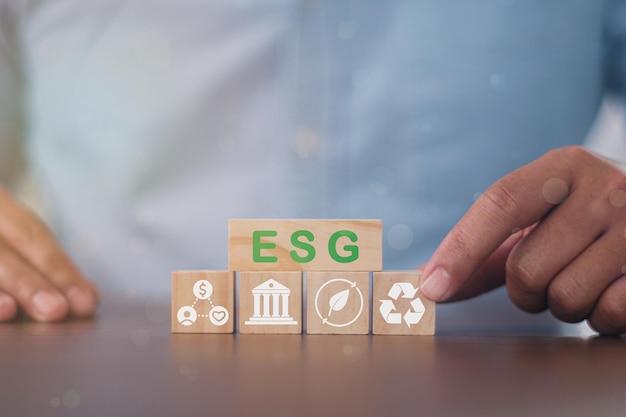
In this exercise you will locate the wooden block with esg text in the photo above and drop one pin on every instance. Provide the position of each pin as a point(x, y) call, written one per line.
point(270, 302)
point(338, 302)
point(398, 306)
point(203, 301)
point(304, 245)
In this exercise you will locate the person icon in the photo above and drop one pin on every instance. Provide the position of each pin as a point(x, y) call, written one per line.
point(187, 315)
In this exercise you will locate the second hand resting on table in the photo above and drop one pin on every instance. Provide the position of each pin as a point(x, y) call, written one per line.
point(36, 274)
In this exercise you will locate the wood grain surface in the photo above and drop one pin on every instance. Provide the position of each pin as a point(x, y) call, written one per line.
point(127, 362)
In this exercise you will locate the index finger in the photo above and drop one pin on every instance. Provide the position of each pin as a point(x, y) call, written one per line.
point(514, 202)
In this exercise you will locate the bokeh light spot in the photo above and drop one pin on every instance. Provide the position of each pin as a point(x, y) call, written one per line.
point(352, 352)
point(280, 359)
point(617, 198)
point(494, 79)
point(400, 237)
point(55, 402)
point(306, 143)
point(381, 180)
point(71, 399)
point(192, 374)
point(555, 190)
point(346, 30)
point(141, 337)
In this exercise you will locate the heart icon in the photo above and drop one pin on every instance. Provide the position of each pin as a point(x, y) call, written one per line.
point(218, 315)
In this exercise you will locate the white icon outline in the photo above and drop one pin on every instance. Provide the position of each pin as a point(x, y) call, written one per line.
point(274, 314)
point(325, 319)
point(218, 315)
point(387, 307)
point(187, 315)
point(202, 293)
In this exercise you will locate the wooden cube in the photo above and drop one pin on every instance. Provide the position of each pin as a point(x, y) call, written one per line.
point(398, 306)
point(203, 301)
point(270, 302)
point(338, 302)
point(304, 245)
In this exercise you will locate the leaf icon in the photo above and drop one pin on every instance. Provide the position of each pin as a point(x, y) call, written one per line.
point(338, 301)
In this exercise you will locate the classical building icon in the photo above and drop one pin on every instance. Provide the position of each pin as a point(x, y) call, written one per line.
point(271, 305)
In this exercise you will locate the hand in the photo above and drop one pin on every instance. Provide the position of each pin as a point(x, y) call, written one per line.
point(554, 231)
point(35, 273)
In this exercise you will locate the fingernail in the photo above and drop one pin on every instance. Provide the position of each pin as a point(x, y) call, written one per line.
point(50, 305)
point(82, 301)
point(436, 285)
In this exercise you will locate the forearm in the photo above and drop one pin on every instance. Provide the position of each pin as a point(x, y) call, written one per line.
point(11, 117)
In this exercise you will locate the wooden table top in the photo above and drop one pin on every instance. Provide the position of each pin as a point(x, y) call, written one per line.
point(126, 362)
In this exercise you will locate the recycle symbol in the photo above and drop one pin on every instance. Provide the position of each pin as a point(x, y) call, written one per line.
point(414, 313)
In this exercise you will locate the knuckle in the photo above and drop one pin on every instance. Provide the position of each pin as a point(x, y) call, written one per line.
point(16, 280)
point(463, 239)
point(610, 316)
point(522, 277)
point(500, 201)
point(56, 267)
point(24, 287)
point(525, 288)
point(570, 153)
point(27, 234)
point(565, 303)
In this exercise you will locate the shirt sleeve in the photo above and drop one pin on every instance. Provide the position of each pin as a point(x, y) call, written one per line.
point(11, 117)
point(615, 47)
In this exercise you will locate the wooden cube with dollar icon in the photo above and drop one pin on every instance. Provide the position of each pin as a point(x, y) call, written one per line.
point(399, 308)
point(203, 301)
point(338, 302)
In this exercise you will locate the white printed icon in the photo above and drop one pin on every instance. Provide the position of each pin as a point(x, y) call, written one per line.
point(415, 312)
point(187, 315)
point(218, 315)
point(202, 290)
point(338, 302)
point(271, 304)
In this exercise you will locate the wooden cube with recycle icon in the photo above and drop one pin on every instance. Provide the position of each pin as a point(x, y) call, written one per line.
point(398, 306)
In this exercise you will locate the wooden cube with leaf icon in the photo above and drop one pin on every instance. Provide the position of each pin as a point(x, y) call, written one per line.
point(338, 302)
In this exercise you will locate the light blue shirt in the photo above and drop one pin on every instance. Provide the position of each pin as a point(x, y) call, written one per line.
point(150, 123)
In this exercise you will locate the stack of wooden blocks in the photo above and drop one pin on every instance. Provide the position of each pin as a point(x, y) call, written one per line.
point(274, 257)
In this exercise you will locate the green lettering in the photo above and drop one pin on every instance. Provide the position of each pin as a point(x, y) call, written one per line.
point(352, 249)
point(310, 250)
point(257, 245)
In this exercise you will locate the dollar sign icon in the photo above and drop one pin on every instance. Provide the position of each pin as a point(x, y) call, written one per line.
point(202, 289)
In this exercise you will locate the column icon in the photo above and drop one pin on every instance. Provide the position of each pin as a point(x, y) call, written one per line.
point(271, 304)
